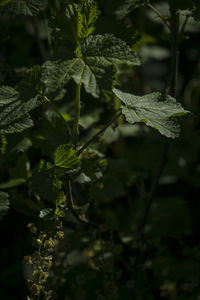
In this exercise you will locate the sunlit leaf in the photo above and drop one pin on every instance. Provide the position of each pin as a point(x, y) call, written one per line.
point(66, 157)
point(155, 110)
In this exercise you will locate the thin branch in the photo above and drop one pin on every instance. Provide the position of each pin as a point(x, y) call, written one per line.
point(173, 88)
point(174, 52)
point(70, 202)
point(184, 24)
point(100, 132)
point(154, 186)
point(160, 16)
point(60, 116)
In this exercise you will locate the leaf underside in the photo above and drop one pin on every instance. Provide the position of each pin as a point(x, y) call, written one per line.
point(155, 110)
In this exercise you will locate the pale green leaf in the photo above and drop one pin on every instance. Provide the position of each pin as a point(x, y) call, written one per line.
point(4, 204)
point(66, 157)
point(155, 110)
point(82, 178)
point(46, 213)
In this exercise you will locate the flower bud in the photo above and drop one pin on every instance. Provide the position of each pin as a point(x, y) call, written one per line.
point(49, 243)
point(59, 235)
point(38, 242)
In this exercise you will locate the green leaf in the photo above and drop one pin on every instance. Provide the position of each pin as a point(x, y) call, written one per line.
point(95, 77)
point(55, 74)
point(14, 108)
point(45, 181)
point(96, 70)
point(27, 8)
point(66, 157)
point(155, 110)
point(106, 49)
point(12, 183)
point(18, 125)
point(22, 146)
point(4, 204)
point(80, 19)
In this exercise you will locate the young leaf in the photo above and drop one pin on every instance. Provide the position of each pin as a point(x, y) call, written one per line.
point(155, 110)
point(4, 204)
point(66, 157)
point(80, 19)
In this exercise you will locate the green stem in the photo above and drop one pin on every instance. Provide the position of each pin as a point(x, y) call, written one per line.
point(75, 131)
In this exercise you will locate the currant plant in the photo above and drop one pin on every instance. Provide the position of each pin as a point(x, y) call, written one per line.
point(41, 118)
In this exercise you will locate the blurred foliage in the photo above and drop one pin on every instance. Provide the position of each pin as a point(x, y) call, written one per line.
point(104, 259)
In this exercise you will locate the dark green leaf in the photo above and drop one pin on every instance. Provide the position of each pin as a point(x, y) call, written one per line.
point(28, 8)
point(14, 110)
point(107, 49)
point(45, 181)
point(95, 77)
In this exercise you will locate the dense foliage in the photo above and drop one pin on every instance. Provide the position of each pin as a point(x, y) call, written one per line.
point(99, 149)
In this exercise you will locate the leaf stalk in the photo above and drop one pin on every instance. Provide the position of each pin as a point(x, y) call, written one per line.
point(160, 16)
point(93, 139)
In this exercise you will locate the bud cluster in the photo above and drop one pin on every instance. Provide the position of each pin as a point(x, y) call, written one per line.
point(41, 260)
